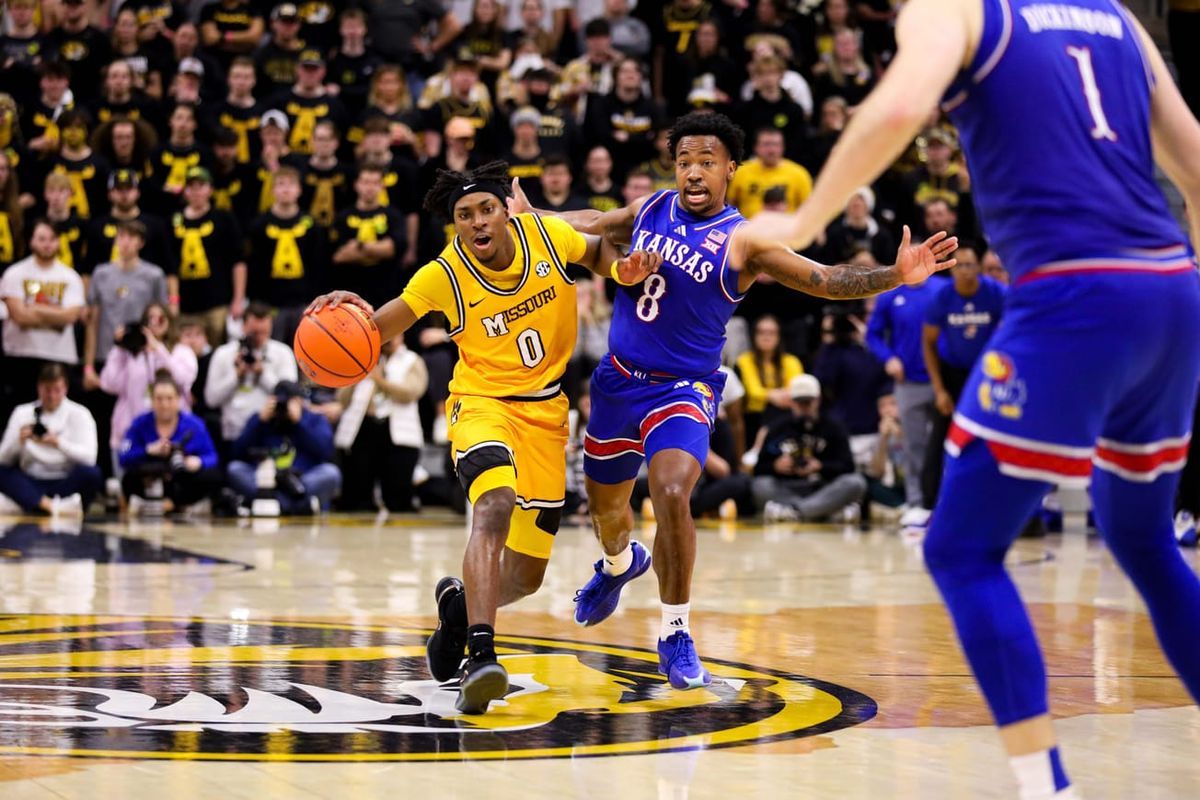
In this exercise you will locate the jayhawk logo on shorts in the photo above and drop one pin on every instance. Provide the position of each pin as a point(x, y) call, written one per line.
point(1001, 392)
point(706, 396)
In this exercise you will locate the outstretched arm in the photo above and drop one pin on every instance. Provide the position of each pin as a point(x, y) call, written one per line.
point(631, 269)
point(617, 224)
point(393, 319)
point(914, 263)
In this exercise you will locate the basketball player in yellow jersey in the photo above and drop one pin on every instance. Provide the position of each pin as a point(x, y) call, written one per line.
point(503, 285)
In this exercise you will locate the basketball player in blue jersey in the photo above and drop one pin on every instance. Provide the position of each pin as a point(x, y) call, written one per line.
point(1062, 108)
point(655, 395)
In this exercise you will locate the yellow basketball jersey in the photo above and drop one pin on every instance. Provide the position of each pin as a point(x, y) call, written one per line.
point(515, 329)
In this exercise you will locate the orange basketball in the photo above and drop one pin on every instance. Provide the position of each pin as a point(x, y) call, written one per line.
point(337, 346)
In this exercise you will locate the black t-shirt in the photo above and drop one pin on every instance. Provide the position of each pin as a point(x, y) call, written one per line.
point(528, 169)
point(481, 114)
point(102, 248)
point(376, 282)
point(86, 53)
point(72, 240)
point(170, 164)
point(636, 122)
point(784, 115)
point(206, 249)
point(399, 181)
point(394, 24)
point(229, 20)
point(325, 191)
point(103, 111)
point(287, 260)
point(26, 52)
point(89, 183)
point(674, 31)
point(276, 68)
point(352, 74)
point(245, 122)
point(236, 191)
point(319, 24)
point(303, 115)
point(609, 200)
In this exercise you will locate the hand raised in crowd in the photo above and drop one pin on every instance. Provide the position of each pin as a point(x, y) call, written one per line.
point(295, 409)
point(335, 299)
point(152, 342)
point(159, 449)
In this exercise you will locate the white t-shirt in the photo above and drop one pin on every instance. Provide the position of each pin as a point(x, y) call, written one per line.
point(56, 285)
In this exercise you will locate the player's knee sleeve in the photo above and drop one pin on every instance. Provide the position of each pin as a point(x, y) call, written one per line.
point(485, 467)
point(548, 520)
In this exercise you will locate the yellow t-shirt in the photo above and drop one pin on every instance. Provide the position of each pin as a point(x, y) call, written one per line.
point(752, 180)
point(515, 329)
point(758, 384)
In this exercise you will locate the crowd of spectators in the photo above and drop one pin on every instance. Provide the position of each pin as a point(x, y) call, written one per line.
point(178, 178)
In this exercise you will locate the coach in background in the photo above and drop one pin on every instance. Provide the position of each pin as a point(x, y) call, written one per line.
point(48, 453)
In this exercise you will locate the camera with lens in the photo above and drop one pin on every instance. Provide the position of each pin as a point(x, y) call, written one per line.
point(284, 392)
point(39, 428)
point(134, 340)
point(176, 460)
point(247, 352)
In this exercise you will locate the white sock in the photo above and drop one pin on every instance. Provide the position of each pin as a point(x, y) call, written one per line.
point(1035, 776)
point(674, 618)
point(618, 564)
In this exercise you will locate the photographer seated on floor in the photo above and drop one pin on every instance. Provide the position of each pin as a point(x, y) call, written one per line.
point(299, 443)
point(48, 453)
point(168, 457)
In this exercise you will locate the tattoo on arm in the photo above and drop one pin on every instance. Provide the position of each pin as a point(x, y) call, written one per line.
point(848, 281)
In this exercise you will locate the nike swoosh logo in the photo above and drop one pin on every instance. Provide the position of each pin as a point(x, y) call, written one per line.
point(477, 302)
point(468, 186)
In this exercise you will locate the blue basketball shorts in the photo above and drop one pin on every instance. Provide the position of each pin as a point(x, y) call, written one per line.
point(636, 414)
point(1088, 371)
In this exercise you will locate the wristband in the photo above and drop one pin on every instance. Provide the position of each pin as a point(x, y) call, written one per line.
point(615, 276)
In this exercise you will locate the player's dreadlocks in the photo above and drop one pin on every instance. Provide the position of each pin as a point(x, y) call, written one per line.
point(707, 123)
point(448, 181)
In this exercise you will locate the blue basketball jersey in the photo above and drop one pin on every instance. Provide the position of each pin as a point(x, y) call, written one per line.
point(674, 322)
point(1054, 115)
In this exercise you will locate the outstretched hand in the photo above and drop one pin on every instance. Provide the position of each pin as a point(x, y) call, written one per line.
point(637, 266)
point(518, 203)
point(916, 262)
point(334, 299)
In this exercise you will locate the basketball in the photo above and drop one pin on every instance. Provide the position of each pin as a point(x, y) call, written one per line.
point(337, 346)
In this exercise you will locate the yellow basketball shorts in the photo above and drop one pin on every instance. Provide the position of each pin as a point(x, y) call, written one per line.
point(520, 445)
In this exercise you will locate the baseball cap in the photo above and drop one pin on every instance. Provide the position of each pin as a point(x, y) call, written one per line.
point(285, 11)
point(311, 57)
point(277, 118)
point(191, 66)
point(804, 387)
point(122, 178)
point(525, 114)
point(198, 174)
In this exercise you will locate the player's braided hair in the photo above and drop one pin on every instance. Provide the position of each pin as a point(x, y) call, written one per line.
point(448, 180)
point(708, 123)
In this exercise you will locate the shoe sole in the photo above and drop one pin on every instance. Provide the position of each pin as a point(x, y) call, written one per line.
point(481, 687)
point(589, 623)
point(698, 682)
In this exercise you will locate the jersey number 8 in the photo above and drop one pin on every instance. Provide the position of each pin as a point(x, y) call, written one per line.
point(653, 290)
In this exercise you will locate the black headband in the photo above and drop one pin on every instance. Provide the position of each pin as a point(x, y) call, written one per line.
point(498, 189)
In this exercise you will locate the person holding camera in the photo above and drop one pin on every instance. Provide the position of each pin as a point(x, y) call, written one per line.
point(299, 441)
point(242, 374)
point(142, 349)
point(167, 454)
point(48, 453)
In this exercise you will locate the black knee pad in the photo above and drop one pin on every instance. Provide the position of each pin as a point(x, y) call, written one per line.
point(548, 520)
point(478, 460)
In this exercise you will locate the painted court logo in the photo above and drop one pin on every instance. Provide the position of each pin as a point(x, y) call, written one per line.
point(168, 688)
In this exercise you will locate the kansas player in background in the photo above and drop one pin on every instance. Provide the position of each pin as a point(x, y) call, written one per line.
point(655, 395)
point(1062, 109)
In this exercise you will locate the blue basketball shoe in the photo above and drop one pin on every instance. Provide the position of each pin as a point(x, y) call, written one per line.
point(598, 599)
point(677, 660)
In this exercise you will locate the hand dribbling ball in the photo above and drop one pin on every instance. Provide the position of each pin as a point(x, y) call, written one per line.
point(337, 346)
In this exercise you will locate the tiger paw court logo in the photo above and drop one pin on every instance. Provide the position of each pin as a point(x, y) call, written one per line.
point(1001, 391)
point(193, 689)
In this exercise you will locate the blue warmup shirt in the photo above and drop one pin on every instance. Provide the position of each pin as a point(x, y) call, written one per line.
point(966, 323)
point(190, 432)
point(897, 324)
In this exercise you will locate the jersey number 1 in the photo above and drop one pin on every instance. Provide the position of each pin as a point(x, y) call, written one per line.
point(1091, 92)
